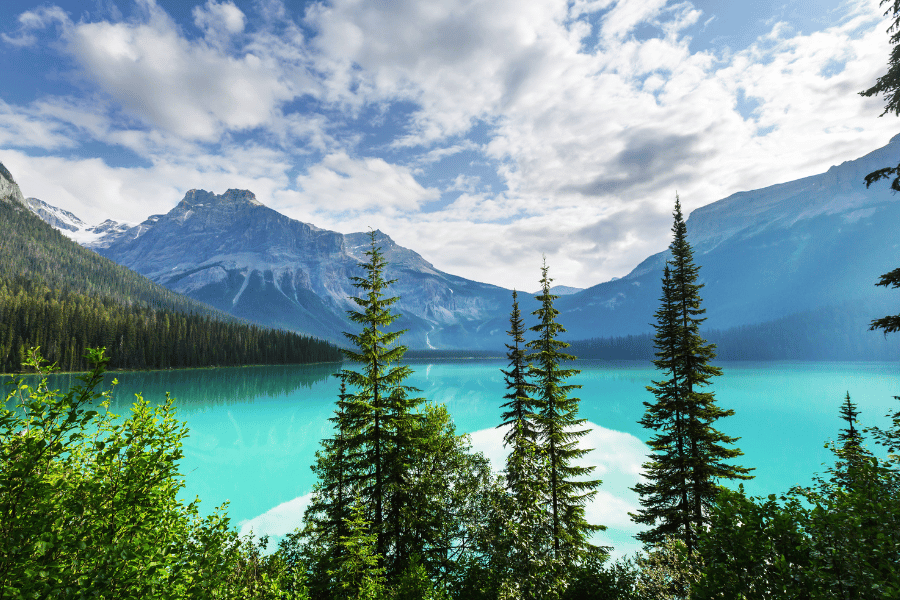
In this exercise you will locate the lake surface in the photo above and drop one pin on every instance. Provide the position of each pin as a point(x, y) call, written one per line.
point(255, 430)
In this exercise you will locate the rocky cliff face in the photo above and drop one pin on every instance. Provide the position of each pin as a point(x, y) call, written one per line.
point(57, 217)
point(804, 245)
point(9, 190)
point(240, 256)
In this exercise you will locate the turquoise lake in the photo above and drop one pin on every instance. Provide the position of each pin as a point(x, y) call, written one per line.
point(255, 430)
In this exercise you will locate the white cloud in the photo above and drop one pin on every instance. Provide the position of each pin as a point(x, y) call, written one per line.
point(32, 20)
point(182, 87)
point(219, 17)
point(30, 128)
point(590, 144)
point(340, 183)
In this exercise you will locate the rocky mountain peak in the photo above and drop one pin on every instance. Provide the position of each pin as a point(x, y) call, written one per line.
point(57, 217)
point(9, 189)
point(231, 198)
point(5, 174)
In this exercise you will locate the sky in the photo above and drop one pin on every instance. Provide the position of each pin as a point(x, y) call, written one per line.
point(483, 134)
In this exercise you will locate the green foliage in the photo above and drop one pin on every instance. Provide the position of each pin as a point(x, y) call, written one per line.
point(598, 579)
point(889, 85)
point(359, 574)
point(415, 584)
point(837, 539)
point(687, 461)
point(422, 491)
point(830, 541)
point(89, 506)
point(65, 323)
point(667, 571)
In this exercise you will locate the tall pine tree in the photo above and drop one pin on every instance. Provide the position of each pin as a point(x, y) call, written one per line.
point(525, 567)
point(518, 418)
point(378, 429)
point(559, 429)
point(331, 505)
point(688, 460)
point(664, 493)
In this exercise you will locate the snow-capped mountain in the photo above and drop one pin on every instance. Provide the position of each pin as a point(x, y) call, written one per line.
point(814, 244)
point(90, 236)
point(240, 256)
point(57, 217)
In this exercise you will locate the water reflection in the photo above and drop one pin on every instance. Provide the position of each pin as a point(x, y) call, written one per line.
point(205, 387)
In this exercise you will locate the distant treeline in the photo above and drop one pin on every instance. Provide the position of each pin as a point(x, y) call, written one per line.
point(65, 323)
point(834, 333)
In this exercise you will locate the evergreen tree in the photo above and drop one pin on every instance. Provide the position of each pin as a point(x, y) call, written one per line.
point(850, 450)
point(359, 574)
point(689, 454)
point(518, 418)
point(664, 495)
point(523, 556)
point(382, 411)
point(850, 438)
point(330, 508)
point(558, 427)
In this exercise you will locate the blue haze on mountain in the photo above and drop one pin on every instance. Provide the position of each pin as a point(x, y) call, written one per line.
point(816, 245)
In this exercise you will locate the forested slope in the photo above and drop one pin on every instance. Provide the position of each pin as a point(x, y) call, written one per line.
point(65, 298)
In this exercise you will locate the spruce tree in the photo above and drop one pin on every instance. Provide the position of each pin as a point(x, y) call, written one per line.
point(518, 418)
point(559, 429)
point(664, 494)
point(680, 499)
point(331, 504)
point(377, 435)
point(850, 450)
point(382, 408)
point(523, 570)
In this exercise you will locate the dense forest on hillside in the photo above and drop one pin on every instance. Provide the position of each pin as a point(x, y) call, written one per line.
point(835, 333)
point(31, 249)
point(65, 299)
point(65, 323)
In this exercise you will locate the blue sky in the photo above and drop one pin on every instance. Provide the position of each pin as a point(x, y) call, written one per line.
point(481, 133)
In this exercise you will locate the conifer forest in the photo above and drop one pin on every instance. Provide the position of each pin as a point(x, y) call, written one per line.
point(403, 508)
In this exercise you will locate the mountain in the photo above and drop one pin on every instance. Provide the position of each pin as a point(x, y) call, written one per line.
point(562, 290)
point(10, 194)
point(56, 217)
point(64, 298)
point(93, 237)
point(813, 244)
point(234, 253)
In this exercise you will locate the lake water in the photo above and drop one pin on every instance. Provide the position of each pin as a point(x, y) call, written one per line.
point(255, 430)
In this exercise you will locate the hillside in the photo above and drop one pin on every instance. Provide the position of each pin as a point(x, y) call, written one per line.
point(58, 295)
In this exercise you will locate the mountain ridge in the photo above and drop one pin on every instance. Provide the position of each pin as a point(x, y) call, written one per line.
point(814, 243)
